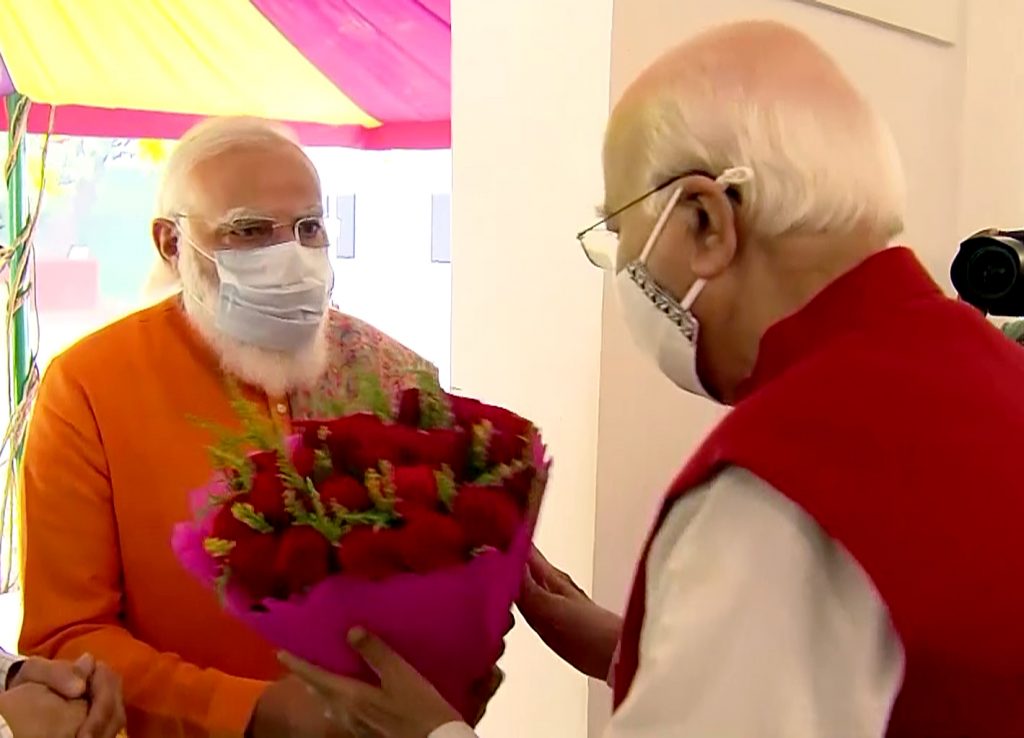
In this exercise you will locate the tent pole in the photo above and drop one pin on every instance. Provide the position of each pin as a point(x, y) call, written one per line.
point(17, 210)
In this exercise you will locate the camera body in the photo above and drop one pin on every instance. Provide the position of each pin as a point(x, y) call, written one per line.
point(988, 272)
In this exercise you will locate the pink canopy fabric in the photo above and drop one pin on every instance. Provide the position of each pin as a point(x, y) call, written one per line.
point(389, 59)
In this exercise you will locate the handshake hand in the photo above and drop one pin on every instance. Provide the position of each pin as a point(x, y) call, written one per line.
point(62, 699)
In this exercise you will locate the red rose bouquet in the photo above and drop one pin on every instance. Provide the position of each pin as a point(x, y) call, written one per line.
point(413, 521)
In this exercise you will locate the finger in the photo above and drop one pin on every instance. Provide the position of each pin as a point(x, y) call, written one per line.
point(537, 562)
point(484, 690)
point(540, 562)
point(541, 572)
point(314, 676)
point(550, 577)
point(84, 665)
point(105, 718)
point(529, 578)
point(59, 676)
point(390, 667)
point(479, 715)
point(346, 701)
point(337, 689)
point(531, 589)
point(539, 606)
point(497, 679)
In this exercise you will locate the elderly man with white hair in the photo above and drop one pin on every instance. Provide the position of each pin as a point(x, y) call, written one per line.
point(114, 449)
point(842, 556)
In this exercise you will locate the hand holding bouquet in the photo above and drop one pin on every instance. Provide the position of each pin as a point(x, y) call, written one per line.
point(413, 521)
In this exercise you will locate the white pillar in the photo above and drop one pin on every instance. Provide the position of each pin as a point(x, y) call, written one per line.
point(530, 100)
point(991, 180)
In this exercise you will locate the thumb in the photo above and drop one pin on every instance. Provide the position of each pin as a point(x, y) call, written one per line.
point(85, 665)
point(390, 667)
point(60, 676)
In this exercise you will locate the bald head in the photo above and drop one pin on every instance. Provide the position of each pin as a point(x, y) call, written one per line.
point(763, 95)
point(755, 60)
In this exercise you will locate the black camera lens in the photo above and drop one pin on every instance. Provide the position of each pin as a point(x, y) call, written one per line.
point(987, 273)
point(992, 271)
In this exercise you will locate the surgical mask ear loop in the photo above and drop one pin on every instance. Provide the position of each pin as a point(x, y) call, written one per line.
point(182, 236)
point(735, 176)
point(731, 176)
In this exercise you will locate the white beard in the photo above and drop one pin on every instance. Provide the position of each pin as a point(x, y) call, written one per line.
point(275, 372)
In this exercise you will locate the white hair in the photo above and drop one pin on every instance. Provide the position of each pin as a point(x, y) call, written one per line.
point(161, 282)
point(206, 140)
point(815, 167)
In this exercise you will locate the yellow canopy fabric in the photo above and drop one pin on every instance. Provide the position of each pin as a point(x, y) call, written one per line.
point(207, 57)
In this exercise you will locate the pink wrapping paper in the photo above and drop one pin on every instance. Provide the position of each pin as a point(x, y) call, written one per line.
point(448, 624)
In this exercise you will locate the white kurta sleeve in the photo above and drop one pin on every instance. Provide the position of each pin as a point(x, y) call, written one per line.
point(6, 662)
point(757, 624)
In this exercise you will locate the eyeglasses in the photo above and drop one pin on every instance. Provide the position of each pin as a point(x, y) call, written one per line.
point(255, 232)
point(600, 244)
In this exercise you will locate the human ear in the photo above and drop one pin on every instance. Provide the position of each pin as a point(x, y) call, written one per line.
point(165, 238)
point(714, 224)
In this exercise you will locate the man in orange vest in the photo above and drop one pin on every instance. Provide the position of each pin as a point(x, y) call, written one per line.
point(842, 556)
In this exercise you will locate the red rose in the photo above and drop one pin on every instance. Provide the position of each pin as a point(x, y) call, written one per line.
point(360, 442)
point(416, 485)
point(357, 458)
point(470, 412)
point(439, 447)
point(303, 558)
point(252, 564)
point(504, 448)
point(409, 407)
point(406, 510)
point(311, 430)
point(519, 484)
point(304, 461)
point(267, 497)
point(227, 527)
point(369, 553)
point(489, 516)
point(345, 491)
point(430, 540)
point(337, 432)
point(264, 461)
point(357, 425)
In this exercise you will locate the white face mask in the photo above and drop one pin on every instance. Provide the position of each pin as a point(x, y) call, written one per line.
point(663, 328)
point(274, 296)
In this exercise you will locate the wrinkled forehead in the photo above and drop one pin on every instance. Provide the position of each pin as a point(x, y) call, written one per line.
point(268, 180)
